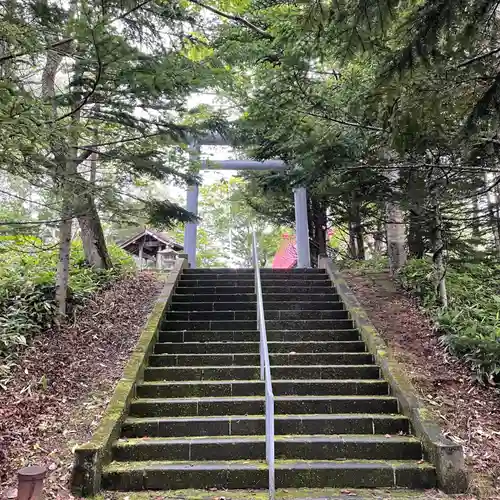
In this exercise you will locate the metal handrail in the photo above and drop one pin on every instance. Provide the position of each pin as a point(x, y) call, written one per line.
point(265, 370)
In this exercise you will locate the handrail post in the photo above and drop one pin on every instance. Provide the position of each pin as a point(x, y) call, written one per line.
point(265, 371)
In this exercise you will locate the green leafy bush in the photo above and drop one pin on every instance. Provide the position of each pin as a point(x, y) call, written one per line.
point(376, 264)
point(27, 286)
point(471, 323)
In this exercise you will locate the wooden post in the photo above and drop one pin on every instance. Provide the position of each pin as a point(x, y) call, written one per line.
point(141, 253)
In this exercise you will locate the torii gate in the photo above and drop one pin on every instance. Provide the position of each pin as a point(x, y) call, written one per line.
point(299, 193)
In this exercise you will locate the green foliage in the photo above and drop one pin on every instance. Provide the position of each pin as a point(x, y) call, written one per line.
point(471, 323)
point(27, 288)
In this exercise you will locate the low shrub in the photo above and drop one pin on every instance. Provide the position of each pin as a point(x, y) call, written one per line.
point(27, 288)
point(471, 324)
point(376, 264)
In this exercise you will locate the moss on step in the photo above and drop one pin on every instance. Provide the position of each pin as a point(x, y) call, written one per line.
point(287, 494)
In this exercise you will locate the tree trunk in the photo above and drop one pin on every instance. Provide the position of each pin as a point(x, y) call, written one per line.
point(94, 156)
point(378, 238)
point(476, 227)
point(416, 241)
point(352, 250)
point(395, 228)
point(493, 217)
point(62, 274)
point(94, 242)
point(436, 187)
point(357, 228)
point(319, 226)
point(438, 251)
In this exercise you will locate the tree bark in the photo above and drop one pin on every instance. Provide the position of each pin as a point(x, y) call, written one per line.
point(352, 250)
point(357, 228)
point(93, 240)
point(319, 226)
point(62, 274)
point(493, 217)
point(395, 227)
point(416, 234)
point(378, 238)
point(438, 249)
point(476, 227)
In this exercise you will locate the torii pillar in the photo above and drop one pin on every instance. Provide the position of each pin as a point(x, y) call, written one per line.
point(191, 228)
point(301, 227)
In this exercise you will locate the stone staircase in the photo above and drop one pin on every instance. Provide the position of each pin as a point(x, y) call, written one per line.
point(198, 417)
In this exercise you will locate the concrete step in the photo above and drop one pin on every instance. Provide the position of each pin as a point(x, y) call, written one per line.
point(330, 296)
point(266, 289)
point(211, 315)
point(298, 287)
point(245, 325)
point(253, 347)
point(214, 290)
point(246, 270)
point(153, 475)
point(203, 389)
point(252, 306)
point(213, 297)
point(350, 423)
point(254, 405)
point(252, 315)
point(253, 335)
point(314, 447)
point(290, 372)
point(216, 306)
point(197, 297)
point(319, 281)
point(249, 359)
point(239, 282)
point(250, 276)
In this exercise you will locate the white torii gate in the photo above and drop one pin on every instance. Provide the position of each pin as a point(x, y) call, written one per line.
point(300, 199)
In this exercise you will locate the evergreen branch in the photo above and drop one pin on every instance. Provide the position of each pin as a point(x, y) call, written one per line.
point(89, 94)
point(238, 19)
point(119, 141)
point(52, 46)
point(8, 57)
point(12, 195)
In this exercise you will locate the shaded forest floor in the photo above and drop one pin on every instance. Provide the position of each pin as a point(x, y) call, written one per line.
point(64, 381)
point(469, 413)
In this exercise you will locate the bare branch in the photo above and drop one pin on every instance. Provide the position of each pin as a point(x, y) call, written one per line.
point(232, 17)
point(478, 58)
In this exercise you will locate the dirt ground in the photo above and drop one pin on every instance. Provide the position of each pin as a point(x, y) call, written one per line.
point(469, 413)
point(64, 381)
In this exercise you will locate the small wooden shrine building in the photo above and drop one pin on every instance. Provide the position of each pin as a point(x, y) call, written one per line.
point(153, 249)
